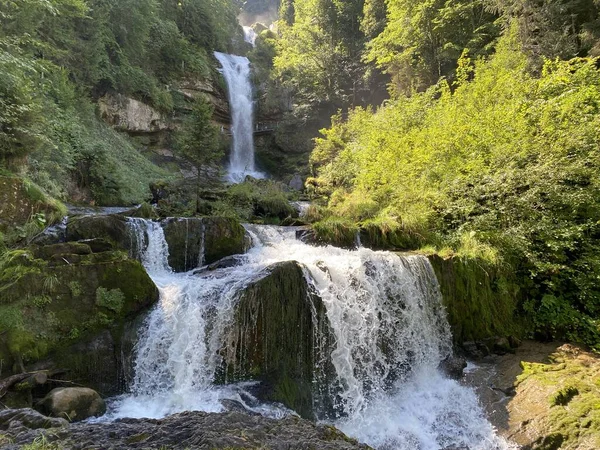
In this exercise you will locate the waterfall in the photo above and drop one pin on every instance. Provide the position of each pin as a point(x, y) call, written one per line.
point(250, 35)
point(390, 334)
point(236, 71)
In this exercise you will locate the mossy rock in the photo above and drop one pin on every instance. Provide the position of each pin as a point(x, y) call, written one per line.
point(185, 238)
point(224, 236)
point(272, 339)
point(214, 237)
point(67, 248)
point(48, 306)
point(112, 228)
point(480, 300)
point(557, 403)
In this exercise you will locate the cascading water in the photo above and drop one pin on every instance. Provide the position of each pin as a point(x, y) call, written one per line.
point(250, 35)
point(236, 70)
point(389, 329)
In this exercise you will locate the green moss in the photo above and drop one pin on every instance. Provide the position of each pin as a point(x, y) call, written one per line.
point(75, 288)
point(564, 396)
point(112, 299)
point(573, 394)
point(223, 237)
point(336, 231)
point(82, 298)
point(481, 299)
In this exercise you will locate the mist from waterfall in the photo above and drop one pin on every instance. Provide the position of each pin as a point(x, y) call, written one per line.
point(236, 71)
point(390, 334)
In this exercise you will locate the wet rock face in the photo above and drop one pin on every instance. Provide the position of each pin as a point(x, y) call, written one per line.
point(192, 241)
point(197, 241)
point(279, 327)
point(73, 404)
point(197, 430)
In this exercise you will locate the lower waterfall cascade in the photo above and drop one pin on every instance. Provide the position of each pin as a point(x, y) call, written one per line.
point(397, 399)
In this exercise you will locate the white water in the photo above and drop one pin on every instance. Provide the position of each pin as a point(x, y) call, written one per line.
point(392, 399)
point(236, 71)
point(250, 35)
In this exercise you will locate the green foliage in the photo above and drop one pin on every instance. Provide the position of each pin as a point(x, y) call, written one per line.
point(319, 55)
point(198, 141)
point(260, 200)
point(112, 299)
point(57, 57)
point(41, 301)
point(505, 168)
point(422, 41)
point(75, 288)
point(554, 29)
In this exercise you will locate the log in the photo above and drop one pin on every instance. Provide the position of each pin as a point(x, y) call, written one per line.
point(34, 380)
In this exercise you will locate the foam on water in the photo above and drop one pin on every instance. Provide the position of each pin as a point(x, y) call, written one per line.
point(390, 334)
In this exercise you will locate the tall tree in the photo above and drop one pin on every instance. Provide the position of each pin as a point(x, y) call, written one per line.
point(198, 142)
point(554, 28)
point(422, 40)
point(320, 54)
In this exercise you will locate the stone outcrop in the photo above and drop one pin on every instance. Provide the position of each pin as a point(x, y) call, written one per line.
point(206, 240)
point(112, 228)
point(188, 430)
point(280, 330)
point(74, 404)
point(481, 302)
point(192, 89)
point(64, 305)
point(545, 396)
point(216, 237)
point(130, 115)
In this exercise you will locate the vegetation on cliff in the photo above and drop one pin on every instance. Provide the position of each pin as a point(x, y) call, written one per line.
point(58, 57)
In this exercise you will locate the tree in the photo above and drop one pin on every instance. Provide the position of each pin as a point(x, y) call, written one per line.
point(422, 40)
point(198, 141)
point(550, 29)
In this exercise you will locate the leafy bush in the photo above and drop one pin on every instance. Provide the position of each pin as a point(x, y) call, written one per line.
point(506, 168)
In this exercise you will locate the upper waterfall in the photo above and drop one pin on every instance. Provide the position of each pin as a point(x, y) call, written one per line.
point(236, 70)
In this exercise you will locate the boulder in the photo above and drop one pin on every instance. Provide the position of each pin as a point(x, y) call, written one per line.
point(296, 183)
point(197, 241)
point(224, 237)
point(272, 339)
point(98, 245)
point(68, 312)
point(112, 228)
point(453, 366)
point(74, 404)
